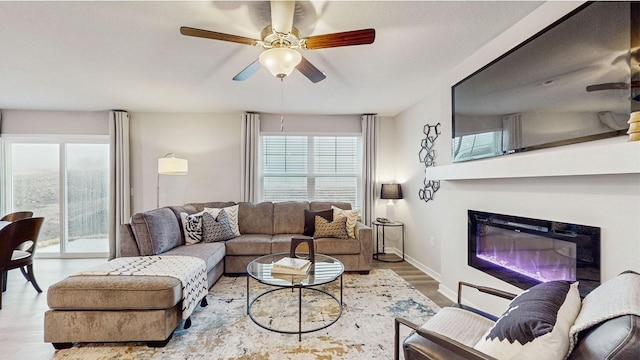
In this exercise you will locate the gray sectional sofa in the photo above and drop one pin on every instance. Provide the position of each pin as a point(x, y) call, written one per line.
point(265, 228)
point(148, 308)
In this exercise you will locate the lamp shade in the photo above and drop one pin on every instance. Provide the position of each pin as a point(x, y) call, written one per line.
point(170, 165)
point(280, 61)
point(391, 191)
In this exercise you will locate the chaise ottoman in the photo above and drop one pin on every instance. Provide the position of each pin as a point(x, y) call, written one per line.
point(99, 308)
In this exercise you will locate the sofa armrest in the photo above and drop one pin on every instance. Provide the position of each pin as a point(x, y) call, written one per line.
point(364, 234)
point(128, 244)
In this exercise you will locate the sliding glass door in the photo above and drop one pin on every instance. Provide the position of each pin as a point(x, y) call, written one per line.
point(67, 183)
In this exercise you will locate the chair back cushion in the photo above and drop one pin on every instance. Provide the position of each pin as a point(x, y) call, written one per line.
point(608, 326)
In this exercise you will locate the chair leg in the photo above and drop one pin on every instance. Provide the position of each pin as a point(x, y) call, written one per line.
point(4, 281)
point(24, 273)
point(2, 284)
point(32, 278)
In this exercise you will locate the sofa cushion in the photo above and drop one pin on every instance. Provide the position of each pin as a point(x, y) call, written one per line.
point(536, 324)
point(281, 243)
point(255, 218)
point(212, 253)
point(156, 231)
point(249, 244)
point(325, 205)
point(288, 217)
point(310, 220)
point(333, 246)
point(114, 293)
point(331, 229)
point(191, 208)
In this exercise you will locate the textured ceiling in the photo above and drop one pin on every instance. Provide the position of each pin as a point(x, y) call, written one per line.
point(94, 56)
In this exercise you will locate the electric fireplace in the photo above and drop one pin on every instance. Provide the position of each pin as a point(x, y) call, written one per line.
point(525, 252)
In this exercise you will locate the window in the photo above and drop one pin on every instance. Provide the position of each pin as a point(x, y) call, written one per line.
point(476, 146)
point(67, 183)
point(320, 168)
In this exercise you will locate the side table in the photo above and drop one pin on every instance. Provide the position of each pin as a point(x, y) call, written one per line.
point(381, 225)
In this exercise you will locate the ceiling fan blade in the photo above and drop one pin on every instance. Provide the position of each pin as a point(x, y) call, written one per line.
point(609, 86)
point(347, 38)
point(248, 71)
point(282, 15)
point(184, 30)
point(310, 71)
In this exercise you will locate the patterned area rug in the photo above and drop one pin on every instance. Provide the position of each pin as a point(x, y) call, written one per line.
point(223, 330)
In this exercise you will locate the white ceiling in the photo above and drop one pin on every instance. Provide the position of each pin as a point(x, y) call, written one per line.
point(94, 56)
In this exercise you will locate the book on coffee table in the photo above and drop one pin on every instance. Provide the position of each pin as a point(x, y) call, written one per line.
point(293, 266)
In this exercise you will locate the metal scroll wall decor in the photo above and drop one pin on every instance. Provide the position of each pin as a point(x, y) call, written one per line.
point(427, 155)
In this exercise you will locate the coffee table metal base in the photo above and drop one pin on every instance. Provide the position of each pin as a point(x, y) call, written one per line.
point(291, 288)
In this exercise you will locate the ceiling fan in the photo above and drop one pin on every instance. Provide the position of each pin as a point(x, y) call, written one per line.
point(281, 41)
point(616, 86)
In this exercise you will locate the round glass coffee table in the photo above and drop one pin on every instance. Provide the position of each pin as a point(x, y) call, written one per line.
point(324, 270)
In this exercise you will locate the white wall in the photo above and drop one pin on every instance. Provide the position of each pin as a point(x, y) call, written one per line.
point(611, 202)
point(211, 143)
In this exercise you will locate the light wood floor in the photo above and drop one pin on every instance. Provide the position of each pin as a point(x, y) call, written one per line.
point(421, 281)
point(22, 313)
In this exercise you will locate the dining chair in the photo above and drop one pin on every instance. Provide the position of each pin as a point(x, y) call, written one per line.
point(17, 216)
point(18, 242)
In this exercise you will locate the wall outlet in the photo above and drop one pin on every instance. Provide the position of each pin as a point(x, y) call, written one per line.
point(433, 241)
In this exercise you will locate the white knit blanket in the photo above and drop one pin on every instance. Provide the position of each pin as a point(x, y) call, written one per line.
point(191, 271)
point(616, 297)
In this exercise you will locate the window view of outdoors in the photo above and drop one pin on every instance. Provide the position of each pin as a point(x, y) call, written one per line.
point(322, 168)
point(35, 184)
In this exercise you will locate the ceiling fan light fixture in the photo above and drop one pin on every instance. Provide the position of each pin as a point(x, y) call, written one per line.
point(280, 61)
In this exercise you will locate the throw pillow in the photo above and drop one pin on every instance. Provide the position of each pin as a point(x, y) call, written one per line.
point(216, 229)
point(536, 324)
point(310, 219)
point(192, 226)
point(352, 218)
point(334, 229)
point(232, 213)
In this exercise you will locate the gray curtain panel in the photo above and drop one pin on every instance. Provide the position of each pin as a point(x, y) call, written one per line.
point(249, 157)
point(369, 158)
point(120, 207)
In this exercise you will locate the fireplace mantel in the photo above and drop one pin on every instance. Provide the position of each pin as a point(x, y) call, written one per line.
point(607, 157)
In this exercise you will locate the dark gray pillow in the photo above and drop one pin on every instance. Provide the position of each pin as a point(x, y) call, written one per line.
point(216, 229)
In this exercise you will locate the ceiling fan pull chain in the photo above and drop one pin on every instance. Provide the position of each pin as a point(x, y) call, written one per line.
point(281, 104)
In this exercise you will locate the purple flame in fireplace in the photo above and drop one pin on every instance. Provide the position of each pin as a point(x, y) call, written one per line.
point(524, 251)
point(537, 257)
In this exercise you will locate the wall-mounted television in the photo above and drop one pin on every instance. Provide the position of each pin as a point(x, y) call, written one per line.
point(571, 82)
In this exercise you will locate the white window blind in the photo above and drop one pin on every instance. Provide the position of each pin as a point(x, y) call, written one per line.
point(476, 146)
point(321, 168)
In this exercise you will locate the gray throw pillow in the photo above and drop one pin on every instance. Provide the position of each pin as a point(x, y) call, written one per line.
point(216, 229)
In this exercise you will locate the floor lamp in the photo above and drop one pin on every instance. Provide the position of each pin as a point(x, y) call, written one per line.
point(170, 165)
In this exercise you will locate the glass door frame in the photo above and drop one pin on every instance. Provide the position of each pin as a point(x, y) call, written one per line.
point(6, 200)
